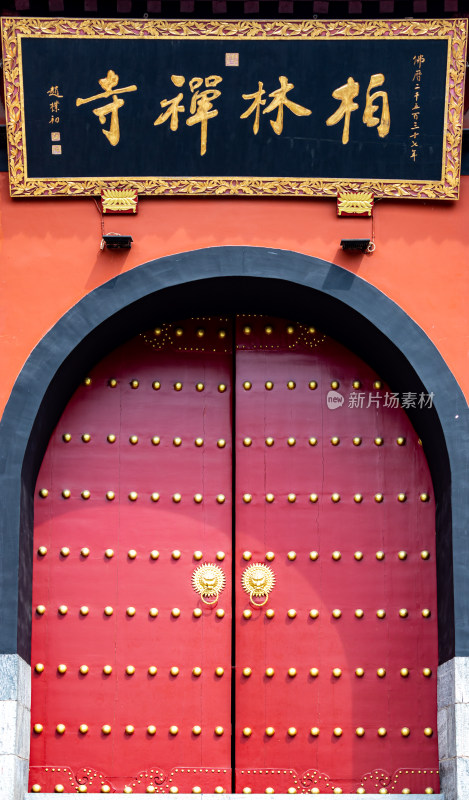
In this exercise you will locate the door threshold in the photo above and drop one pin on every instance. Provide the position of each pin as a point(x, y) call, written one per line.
point(121, 796)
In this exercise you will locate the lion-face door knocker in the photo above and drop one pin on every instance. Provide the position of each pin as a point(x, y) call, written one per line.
point(208, 580)
point(258, 581)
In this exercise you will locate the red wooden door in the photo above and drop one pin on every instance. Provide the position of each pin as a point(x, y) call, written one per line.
point(132, 678)
point(335, 680)
point(331, 652)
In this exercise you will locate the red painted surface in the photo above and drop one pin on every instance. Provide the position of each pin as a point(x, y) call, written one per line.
point(121, 582)
point(50, 256)
point(300, 527)
point(184, 760)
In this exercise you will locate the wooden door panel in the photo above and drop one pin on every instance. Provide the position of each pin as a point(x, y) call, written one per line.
point(353, 459)
point(292, 455)
point(111, 448)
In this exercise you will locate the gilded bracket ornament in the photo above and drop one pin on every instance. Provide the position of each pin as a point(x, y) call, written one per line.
point(119, 201)
point(350, 204)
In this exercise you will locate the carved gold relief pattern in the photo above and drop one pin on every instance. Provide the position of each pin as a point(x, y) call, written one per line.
point(354, 203)
point(144, 781)
point(279, 779)
point(119, 201)
point(409, 777)
point(447, 189)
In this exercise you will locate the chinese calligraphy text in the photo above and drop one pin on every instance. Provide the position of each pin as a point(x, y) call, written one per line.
point(279, 100)
point(54, 107)
point(347, 93)
point(201, 107)
point(417, 61)
point(109, 84)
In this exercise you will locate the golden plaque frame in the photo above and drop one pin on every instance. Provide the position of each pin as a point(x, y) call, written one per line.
point(454, 31)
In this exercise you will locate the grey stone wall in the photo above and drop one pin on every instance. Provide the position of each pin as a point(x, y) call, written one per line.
point(453, 727)
point(15, 713)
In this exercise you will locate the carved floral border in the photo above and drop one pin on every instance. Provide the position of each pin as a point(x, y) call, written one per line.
point(454, 30)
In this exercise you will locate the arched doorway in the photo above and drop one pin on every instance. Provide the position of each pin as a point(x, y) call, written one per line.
point(234, 572)
point(346, 307)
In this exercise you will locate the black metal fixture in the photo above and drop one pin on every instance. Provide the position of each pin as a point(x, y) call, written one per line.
point(116, 241)
point(363, 245)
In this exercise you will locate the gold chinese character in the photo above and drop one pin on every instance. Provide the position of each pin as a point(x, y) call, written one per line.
point(280, 100)
point(54, 92)
point(53, 120)
point(345, 94)
point(369, 114)
point(418, 60)
point(54, 106)
point(108, 84)
point(256, 97)
point(202, 107)
point(173, 105)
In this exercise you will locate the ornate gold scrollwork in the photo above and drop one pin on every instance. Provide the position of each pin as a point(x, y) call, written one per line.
point(208, 580)
point(258, 581)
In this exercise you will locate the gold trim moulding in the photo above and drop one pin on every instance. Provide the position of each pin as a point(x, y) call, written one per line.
point(230, 186)
point(454, 31)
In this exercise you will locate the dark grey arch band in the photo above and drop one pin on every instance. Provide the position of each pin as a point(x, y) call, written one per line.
point(225, 280)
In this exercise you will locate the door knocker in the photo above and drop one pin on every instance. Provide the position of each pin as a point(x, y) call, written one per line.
point(258, 581)
point(208, 580)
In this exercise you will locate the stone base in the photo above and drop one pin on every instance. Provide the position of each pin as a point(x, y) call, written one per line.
point(453, 727)
point(15, 714)
point(239, 796)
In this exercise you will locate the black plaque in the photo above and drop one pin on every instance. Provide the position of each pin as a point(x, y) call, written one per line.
point(298, 113)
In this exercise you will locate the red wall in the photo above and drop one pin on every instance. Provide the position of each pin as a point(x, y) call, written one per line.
point(50, 256)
